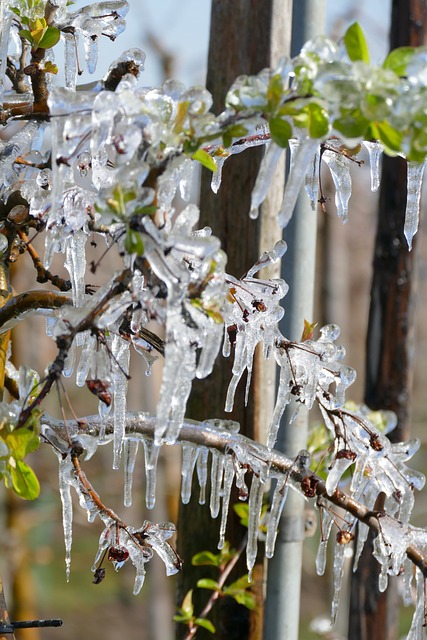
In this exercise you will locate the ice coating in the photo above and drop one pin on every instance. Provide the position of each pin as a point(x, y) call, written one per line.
point(265, 175)
point(303, 152)
point(339, 166)
point(412, 213)
point(375, 151)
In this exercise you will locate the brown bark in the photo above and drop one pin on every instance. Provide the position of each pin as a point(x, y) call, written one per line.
point(244, 37)
point(389, 366)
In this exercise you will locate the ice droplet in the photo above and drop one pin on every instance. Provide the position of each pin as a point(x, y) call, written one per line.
point(121, 353)
point(414, 183)
point(375, 150)
point(217, 468)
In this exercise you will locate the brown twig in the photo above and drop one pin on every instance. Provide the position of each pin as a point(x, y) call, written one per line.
point(64, 342)
point(43, 275)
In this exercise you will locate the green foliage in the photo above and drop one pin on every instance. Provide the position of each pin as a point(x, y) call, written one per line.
point(219, 560)
point(242, 510)
point(355, 43)
point(15, 445)
point(205, 159)
point(398, 60)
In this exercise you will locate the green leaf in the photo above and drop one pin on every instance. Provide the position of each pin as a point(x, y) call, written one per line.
point(355, 43)
point(242, 510)
point(207, 583)
point(205, 159)
point(26, 34)
point(275, 92)
point(50, 38)
point(398, 59)
point(240, 584)
point(205, 558)
point(389, 136)
point(206, 624)
point(24, 480)
point(187, 604)
point(352, 124)
point(245, 598)
point(21, 442)
point(318, 121)
point(134, 242)
point(280, 131)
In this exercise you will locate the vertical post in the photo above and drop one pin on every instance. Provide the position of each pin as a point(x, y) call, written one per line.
point(245, 36)
point(389, 347)
point(298, 269)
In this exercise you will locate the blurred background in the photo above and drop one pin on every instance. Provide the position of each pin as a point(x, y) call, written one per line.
point(175, 37)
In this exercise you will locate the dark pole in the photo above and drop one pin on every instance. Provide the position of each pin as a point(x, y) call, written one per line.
point(390, 339)
point(245, 37)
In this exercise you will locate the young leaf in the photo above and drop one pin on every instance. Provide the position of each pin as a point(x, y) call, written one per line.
point(245, 598)
point(206, 624)
point(398, 59)
point(280, 131)
point(318, 121)
point(24, 480)
point(355, 43)
point(187, 603)
point(134, 242)
point(205, 159)
point(50, 38)
point(207, 583)
point(307, 333)
point(205, 558)
point(21, 442)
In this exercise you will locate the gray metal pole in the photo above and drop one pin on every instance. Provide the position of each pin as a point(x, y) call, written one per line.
point(282, 610)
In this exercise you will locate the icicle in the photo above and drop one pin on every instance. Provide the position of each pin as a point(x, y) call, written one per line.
point(415, 182)
point(75, 264)
point(339, 557)
point(255, 505)
point(217, 468)
point(325, 528)
point(121, 352)
point(151, 456)
point(5, 23)
point(130, 449)
point(264, 178)
point(217, 175)
point(70, 56)
point(189, 459)
point(302, 155)
point(311, 184)
point(375, 150)
point(202, 472)
point(277, 504)
point(416, 631)
point(86, 359)
point(226, 491)
point(339, 167)
point(408, 578)
point(67, 509)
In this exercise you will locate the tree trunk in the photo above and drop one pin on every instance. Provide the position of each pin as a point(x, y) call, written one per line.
point(389, 366)
point(246, 36)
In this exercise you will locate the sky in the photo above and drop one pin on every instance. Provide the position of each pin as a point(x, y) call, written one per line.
point(182, 29)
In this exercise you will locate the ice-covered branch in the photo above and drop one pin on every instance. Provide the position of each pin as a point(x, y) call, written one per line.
point(263, 462)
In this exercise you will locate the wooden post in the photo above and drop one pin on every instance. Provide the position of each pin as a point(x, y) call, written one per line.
point(389, 367)
point(246, 36)
point(4, 616)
